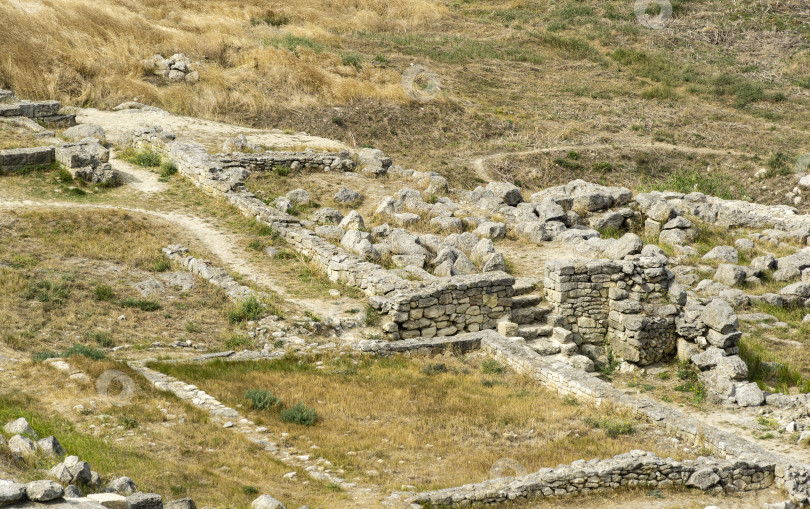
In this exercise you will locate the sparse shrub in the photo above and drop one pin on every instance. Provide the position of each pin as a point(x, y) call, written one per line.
point(256, 245)
point(300, 414)
point(44, 355)
point(432, 199)
point(193, 327)
point(76, 191)
point(602, 167)
point(372, 316)
point(128, 422)
point(160, 264)
point(568, 164)
point(63, 175)
point(249, 490)
point(572, 155)
point(434, 368)
point(103, 292)
point(271, 18)
point(492, 367)
point(167, 169)
point(237, 342)
point(260, 399)
point(86, 351)
point(48, 291)
point(778, 164)
point(352, 59)
point(142, 304)
point(282, 171)
point(338, 121)
point(611, 232)
point(249, 309)
point(284, 254)
point(103, 339)
point(145, 157)
point(612, 427)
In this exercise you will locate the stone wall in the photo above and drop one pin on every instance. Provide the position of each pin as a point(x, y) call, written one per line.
point(637, 468)
point(618, 304)
point(14, 159)
point(440, 308)
point(452, 305)
point(46, 111)
point(306, 160)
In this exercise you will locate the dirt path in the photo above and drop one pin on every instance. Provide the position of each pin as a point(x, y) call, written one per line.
point(223, 245)
point(209, 133)
point(139, 179)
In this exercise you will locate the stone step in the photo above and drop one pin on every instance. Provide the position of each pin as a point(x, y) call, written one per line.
point(525, 285)
point(525, 301)
point(530, 332)
point(544, 346)
point(530, 315)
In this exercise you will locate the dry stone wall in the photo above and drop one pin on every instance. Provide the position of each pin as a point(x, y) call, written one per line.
point(445, 307)
point(306, 160)
point(620, 304)
point(634, 469)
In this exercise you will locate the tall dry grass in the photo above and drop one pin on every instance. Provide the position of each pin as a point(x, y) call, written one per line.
point(89, 52)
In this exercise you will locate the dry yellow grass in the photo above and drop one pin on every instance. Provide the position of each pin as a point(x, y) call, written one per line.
point(91, 52)
point(428, 422)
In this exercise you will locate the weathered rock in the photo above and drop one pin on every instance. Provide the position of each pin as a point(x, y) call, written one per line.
point(50, 446)
point(82, 131)
point(109, 500)
point(298, 197)
point(353, 221)
point(11, 492)
point(123, 486)
point(267, 502)
point(661, 212)
point(346, 195)
point(482, 251)
point(495, 263)
point(406, 219)
point(505, 192)
point(720, 316)
point(732, 367)
point(20, 427)
point(330, 232)
point(43, 491)
point(709, 358)
point(628, 244)
point(723, 253)
point(60, 473)
point(679, 222)
point(491, 230)
point(763, 263)
point(327, 215)
point(749, 395)
point(732, 275)
point(744, 245)
point(801, 290)
point(21, 445)
point(703, 479)
point(549, 210)
point(677, 237)
point(183, 503)
point(144, 501)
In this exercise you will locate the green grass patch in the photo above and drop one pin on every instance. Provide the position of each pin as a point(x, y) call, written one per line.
point(612, 427)
point(56, 292)
point(145, 157)
point(142, 304)
point(689, 181)
point(299, 414)
point(492, 367)
point(84, 351)
point(261, 399)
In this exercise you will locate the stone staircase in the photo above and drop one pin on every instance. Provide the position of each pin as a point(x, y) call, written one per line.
point(541, 328)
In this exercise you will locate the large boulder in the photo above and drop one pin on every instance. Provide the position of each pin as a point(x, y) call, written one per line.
point(720, 316)
point(298, 197)
point(20, 427)
point(491, 230)
point(346, 195)
point(723, 254)
point(145, 501)
point(11, 492)
point(505, 192)
point(267, 502)
point(749, 395)
point(549, 210)
point(801, 290)
point(123, 486)
point(731, 275)
point(327, 215)
point(50, 446)
point(676, 237)
point(732, 368)
point(43, 491)
point(628, 244)
point(353, 221)
point(82, 131)
point(21, 445)
point(708, 358)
